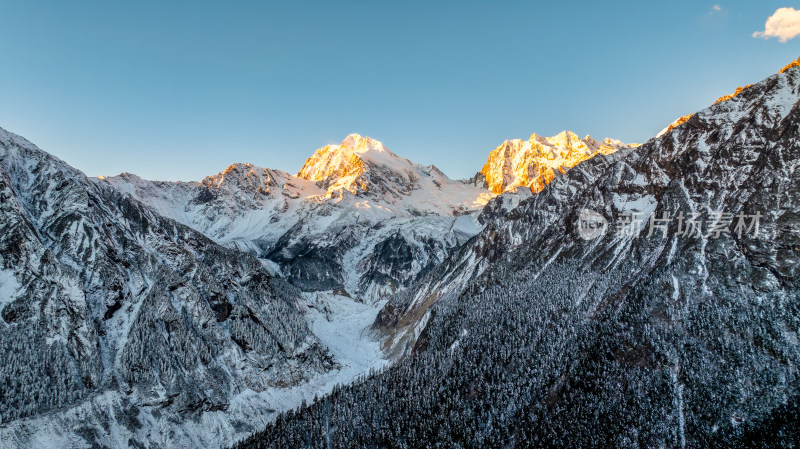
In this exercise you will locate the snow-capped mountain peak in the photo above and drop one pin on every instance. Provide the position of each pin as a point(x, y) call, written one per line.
point(253, 180)
point(534, 163)
point(360, 165)
point(241, 174)
point(361, 144)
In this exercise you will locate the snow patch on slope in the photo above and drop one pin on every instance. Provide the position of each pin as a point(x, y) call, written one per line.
point(9, 287)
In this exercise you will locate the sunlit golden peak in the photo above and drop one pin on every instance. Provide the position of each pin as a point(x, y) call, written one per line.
point(359, 144)
point(536, 162)
point(564, 138)
point(790, 65)
point(344, 166)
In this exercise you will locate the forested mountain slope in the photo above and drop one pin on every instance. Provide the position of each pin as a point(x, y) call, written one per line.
point(567, 323)
point(119, 327)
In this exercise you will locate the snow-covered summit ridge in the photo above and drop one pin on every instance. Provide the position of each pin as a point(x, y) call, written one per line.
point(683, 119)
point(536, 162)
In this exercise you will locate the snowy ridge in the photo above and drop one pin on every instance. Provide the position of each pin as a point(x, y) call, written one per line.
point(681, 120)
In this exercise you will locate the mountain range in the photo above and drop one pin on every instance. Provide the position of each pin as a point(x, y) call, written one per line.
point(397, 307)
point(356, 217)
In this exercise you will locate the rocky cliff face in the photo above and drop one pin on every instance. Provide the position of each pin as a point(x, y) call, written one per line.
point(119, 323)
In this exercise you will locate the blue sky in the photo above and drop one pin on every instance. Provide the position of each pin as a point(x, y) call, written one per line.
point(179, 90)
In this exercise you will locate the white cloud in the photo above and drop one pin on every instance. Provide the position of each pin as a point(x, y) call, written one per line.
point(783, 24)
point(716, 8)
